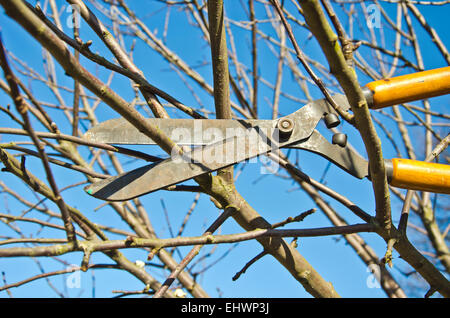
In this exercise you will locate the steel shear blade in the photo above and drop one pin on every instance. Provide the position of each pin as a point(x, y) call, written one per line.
point(219, 143)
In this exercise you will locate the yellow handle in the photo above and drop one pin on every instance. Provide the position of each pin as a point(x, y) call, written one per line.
point(419, 175)
point(407, 88)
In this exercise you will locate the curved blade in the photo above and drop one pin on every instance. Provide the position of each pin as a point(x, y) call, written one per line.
point(205, 131)
point(144, 180)
point(181, 131)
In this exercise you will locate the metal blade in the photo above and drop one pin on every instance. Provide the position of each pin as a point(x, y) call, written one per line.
point(204, 131)
point(181, 131)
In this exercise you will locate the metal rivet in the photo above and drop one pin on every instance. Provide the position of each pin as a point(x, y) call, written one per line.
point(331, 120)
point(285, 126)
point(339, 139)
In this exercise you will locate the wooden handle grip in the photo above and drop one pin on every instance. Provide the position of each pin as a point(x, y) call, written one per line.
point(419, 175)
point(407, 88)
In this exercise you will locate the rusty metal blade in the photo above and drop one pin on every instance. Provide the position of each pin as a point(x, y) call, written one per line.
point(204, 131)
point(183, 132)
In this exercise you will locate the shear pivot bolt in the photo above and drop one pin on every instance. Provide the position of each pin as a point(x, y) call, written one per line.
point(285, 126)
point(331, 120)
point(339, 139)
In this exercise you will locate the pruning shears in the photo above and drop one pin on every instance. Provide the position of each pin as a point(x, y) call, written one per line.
point(219, 143)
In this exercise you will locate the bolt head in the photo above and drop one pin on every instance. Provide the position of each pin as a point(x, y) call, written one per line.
point(331, 120)
point(285, 125)
point(339, 139)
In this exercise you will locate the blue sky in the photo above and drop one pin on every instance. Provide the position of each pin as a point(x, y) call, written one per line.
point(273, 197)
